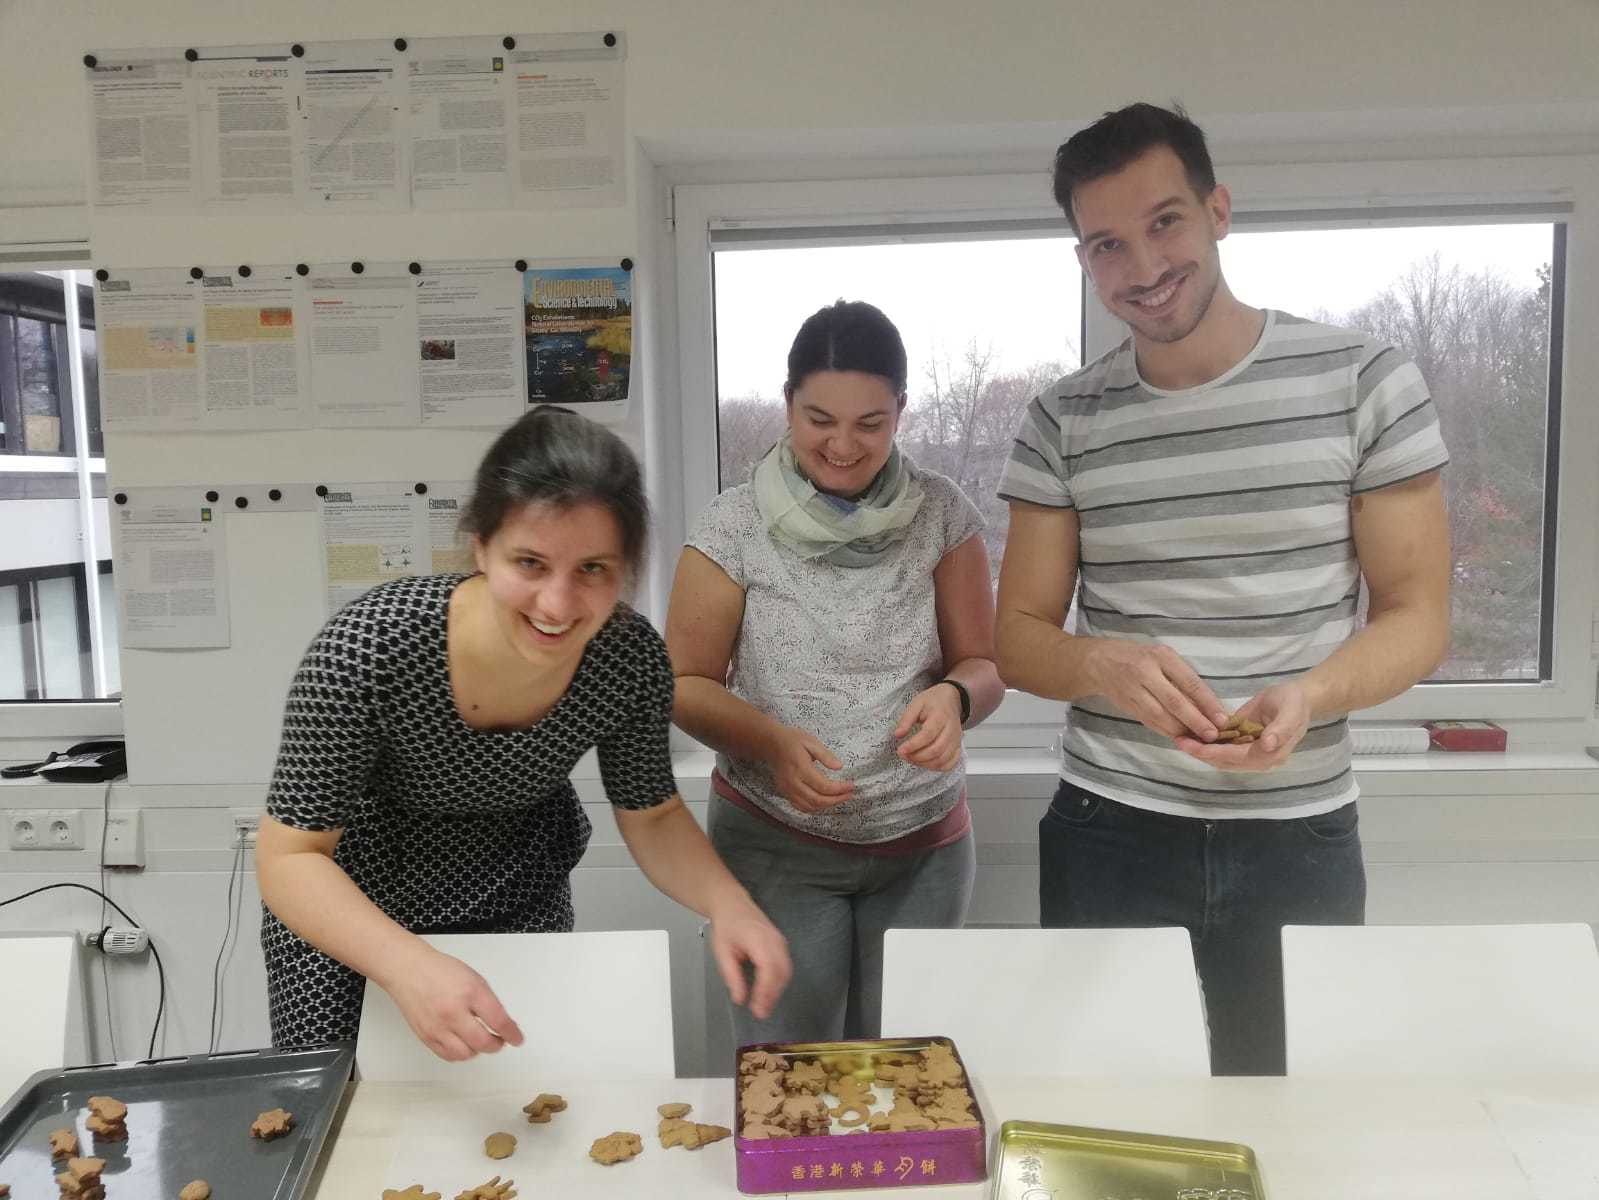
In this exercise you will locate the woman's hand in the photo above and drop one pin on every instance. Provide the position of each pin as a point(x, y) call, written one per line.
point(450, 1007)
point(936, 746)
point(793, 757)
point(742, 934)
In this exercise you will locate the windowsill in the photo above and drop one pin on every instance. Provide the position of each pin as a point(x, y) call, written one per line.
point(993, 762)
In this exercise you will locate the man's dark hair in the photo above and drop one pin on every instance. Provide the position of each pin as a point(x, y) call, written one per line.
point(1117, 138)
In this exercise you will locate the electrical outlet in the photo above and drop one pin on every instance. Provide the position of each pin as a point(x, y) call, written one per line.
point(46, 830)
point(246, 824)
point(124, 838)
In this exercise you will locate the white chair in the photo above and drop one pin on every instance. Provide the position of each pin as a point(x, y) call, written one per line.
point(1443, 1000)
point(1084, 1002)
point(590, 1006)
point(35, 1006)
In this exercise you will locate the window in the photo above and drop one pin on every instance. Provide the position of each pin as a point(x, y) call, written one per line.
point(1473, 306)
point(987, 324)
point(1477, 246)
point(58, 634)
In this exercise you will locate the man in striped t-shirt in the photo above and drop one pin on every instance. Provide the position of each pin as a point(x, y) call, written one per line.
point(1214, 490)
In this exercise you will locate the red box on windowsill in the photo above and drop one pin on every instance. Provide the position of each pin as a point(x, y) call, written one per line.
point(1465, 735)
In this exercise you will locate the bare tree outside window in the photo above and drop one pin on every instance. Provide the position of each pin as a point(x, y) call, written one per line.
point(1471, 304)
point(1473, 311)
point(974, 364)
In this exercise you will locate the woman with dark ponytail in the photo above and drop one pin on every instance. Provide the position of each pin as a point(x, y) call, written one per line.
point(422, 784)
point(832, 630)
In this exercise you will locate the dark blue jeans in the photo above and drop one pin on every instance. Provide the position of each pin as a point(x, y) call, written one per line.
point(1232, 883)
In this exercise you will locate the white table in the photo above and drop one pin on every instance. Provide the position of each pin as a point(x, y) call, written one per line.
point(1532, 1139)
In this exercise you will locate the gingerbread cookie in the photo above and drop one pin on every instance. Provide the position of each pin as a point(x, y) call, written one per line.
point(760, 1060)
point(674, 1131)
point(704, 1135)
point(414, 1192)
point(274, 1123)
point(108, 1119)
point(805, 1077)
point(952, 1110)
point(904, 1117)
point(854, 1101)
point(81, 1179)
point(616, 1147)
point(63, 1144)
point(1240, 731)
point(542, 1107)
point(198, 1190)
point(674, 1110)
point(492, 1190)
point(499, 1145)
point(804, 1114)
point(897, 1075)
point(763, 1095)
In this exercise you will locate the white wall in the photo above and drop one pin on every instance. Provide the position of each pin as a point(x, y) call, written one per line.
point(772, 89)
point(732, 75)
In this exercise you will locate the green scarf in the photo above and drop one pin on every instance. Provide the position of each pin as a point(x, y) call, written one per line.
point(846, 533)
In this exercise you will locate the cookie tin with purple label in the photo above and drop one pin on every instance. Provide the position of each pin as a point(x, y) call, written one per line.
point(851, 1156)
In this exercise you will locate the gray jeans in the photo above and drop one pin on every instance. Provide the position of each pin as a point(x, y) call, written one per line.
point(833, 907)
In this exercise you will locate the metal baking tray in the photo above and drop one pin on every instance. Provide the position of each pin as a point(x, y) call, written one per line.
point(1071, 1162)
point(824, 1162)
point(188, 1118)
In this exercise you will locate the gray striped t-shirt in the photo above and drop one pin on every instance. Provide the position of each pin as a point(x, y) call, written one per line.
point(1216, 520)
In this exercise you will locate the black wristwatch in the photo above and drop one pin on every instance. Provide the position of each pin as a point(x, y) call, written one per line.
point(966, 698)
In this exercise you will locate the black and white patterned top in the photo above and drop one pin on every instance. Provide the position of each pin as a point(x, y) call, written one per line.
point(447, 828)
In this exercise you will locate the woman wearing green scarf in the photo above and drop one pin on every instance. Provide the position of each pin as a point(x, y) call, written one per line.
point(832, 632)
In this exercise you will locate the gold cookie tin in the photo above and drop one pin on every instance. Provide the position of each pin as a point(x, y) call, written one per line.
point(1035, 1161)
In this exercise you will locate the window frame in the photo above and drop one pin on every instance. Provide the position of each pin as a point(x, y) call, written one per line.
point(1277, 194)
point(62, 246)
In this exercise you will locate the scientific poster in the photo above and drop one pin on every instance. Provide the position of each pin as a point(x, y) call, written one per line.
point(452, 123)
point(376, 532)
point(363, 344)
point(149, 362)
point(566, 133)
point(449, 547)
point(370, 535)
point(352, 116)
point(469, 344)
point(459, 124)
point(141, 131)
point(254, 359)
point(579, 338)
point(245, 106)
point(172, 577)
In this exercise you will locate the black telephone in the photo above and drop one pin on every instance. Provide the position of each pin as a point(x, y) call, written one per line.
point(87, 762)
